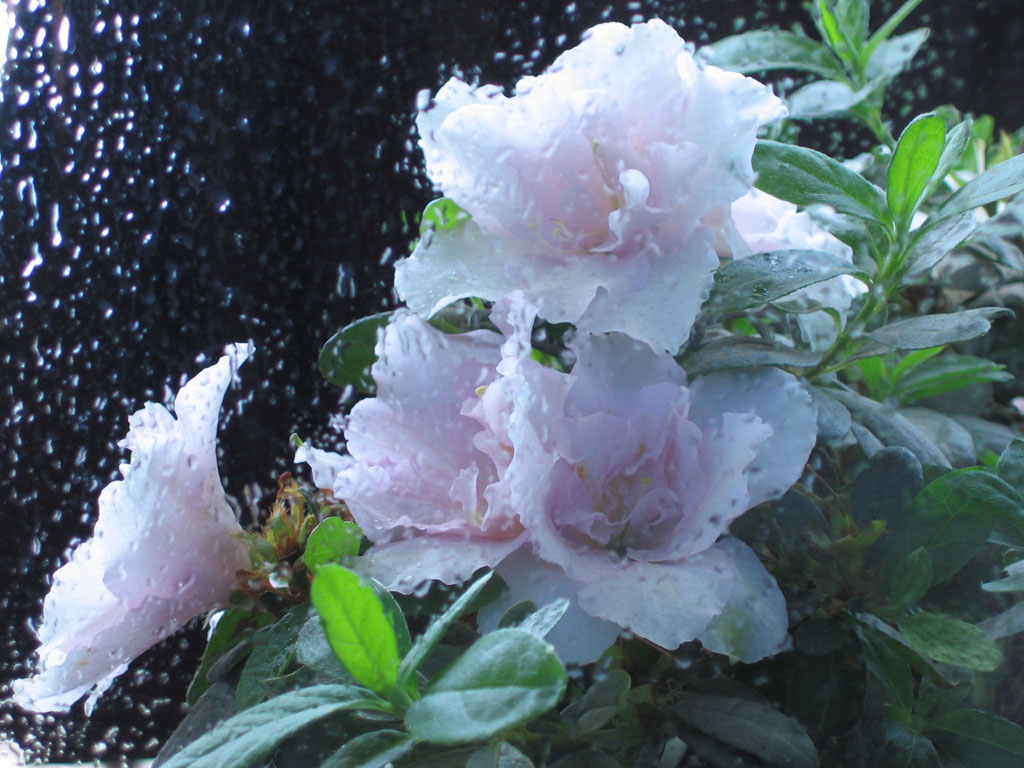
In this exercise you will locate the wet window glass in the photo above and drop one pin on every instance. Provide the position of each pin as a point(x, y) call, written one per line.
point(178, 176)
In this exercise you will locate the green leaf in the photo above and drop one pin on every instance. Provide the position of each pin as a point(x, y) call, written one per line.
point(742, 352)
point(752, 727)
point(890, 668)
point(314, 652)
point(541, 621)
point(926, 331)
point(357, 626)
point(375, 749)
point(884, 488)
point(825, 97)
point(1013, 582)
point(913, 162)
point(426, 642)
point(911, 578)
point(253, 734)
point(764, 277)
point(601, 702)
point(932, 241)
point(768, 50)
point(951, 518)
point(892, 56)
point(221, 640)
point(998, 182)
point(441, 215)
point(979, 739)
point(500, 755)
point(333, 541)
point(348, 356)
point(273, 650)
point(947, 374)
point(852, 17)
point(951, 641)
point(505, 679)
point(906, 748)
point(957, 139)
point(807, 177)
point(1011, 464)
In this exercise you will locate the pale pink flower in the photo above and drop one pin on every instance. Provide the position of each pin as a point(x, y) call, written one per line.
point(626, 478)
point(422, 476)
point(587, 187)
point(762, 223)
point(611, 484)
point(161, 554)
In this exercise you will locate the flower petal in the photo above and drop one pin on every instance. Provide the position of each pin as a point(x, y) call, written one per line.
point(162, 552)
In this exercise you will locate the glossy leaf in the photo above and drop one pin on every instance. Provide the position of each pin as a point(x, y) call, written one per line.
point(911, 578)
point(426, 642)
point(927, 331)
point(375, 749)
point(749, 726)
point(348, 356)
point(768, 50)
point(1011, 464)
point(906, 748)
point(1000, 181)
point(505, 679)
point(957, 139)
point(825, 97)
point(913, 162)
point(742, 352)
point(221, 640)
point(930, 244)
point(360, 631)
point(273, 650)
point(948, 640)
point(500, 755)
point(951, 518)
point(891, 57)
point(764, 277)
point(332, 541)
point(979, 739)
point(806, 177)
point(253, 734)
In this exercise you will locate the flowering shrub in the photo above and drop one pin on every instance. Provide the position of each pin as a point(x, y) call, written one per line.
point(690, 438)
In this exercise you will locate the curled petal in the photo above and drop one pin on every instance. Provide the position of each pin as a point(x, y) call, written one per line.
point(162, 553)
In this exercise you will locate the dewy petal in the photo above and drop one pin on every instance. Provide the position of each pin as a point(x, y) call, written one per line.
point(423, 477)
point(754, 623)
point(667, 603)
point(579, 637)
point(587, 187)
point(162, 552)
point(775, 398)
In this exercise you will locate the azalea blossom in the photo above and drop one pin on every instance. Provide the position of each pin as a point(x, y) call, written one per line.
point(422, 477)
point(163, 550)
point(627, 478)
point(611, 484)
point(761, 223)
point(587, 187)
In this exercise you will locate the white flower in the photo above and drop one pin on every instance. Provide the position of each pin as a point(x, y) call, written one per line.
point(586, 188)
point(161, 554)
point(764, 223)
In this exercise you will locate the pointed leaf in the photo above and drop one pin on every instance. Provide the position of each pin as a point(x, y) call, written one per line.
point(914, 161)
point(766, 50)
point(505, 679)
point(806, 177)
point(951, 641)
point(927, 331)
point(360, 631)
point(979, 739)
point(426, 642)
point(375, 749)
point(764, 277)
point(932, 241)
point(998, 182)
point(348, 356)
point(253, 734)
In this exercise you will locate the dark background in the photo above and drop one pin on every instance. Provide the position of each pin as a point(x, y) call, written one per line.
point(225, 171)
